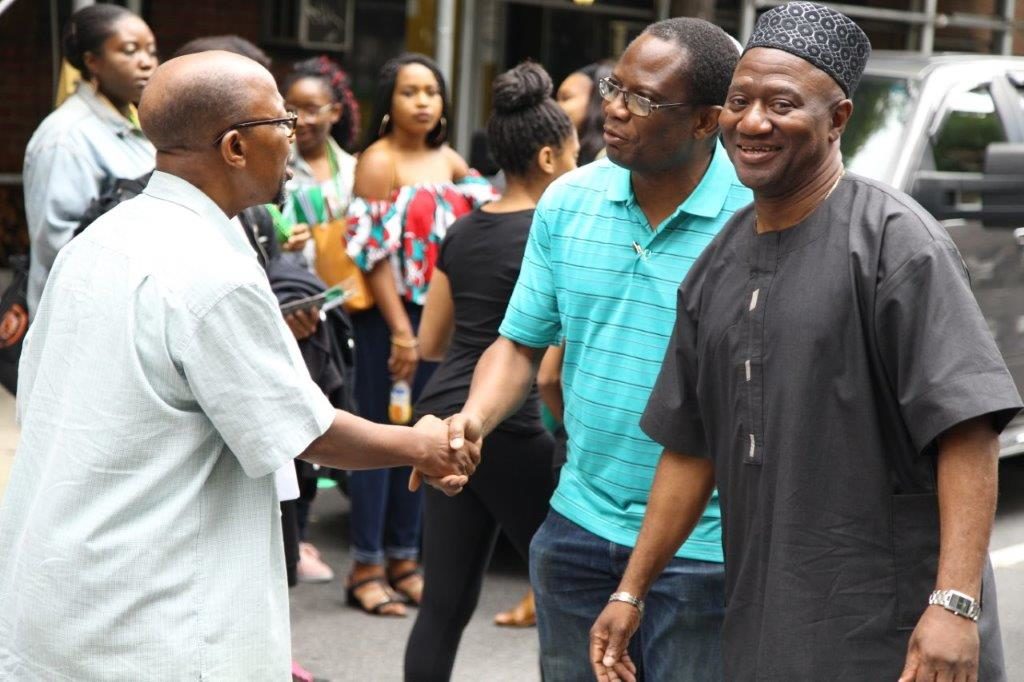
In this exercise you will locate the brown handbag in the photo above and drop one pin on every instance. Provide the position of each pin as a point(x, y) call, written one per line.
point(335, 267)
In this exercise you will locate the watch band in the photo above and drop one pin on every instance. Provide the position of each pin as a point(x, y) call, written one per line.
point(629, 599)
point(956, 602)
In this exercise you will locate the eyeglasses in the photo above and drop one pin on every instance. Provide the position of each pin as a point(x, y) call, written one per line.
point(287, 122)
point(310, 112)
point(636, 104)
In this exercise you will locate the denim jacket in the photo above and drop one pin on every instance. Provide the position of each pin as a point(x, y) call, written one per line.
point(74, 155)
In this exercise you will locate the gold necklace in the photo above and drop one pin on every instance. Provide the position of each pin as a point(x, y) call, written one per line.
point(842, 172)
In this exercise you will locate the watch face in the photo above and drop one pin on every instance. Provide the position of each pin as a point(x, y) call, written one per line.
point(959, 603)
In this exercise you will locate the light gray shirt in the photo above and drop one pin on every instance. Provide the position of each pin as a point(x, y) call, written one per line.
point(75, 154)
point(159, 391)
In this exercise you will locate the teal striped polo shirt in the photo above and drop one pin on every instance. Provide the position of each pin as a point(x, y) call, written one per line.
point(596, 275)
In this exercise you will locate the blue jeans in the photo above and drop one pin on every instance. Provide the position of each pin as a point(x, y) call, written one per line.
point(386, 518)
point(574, 571)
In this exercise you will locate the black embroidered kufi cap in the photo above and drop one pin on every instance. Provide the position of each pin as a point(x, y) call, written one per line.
point(824, 37)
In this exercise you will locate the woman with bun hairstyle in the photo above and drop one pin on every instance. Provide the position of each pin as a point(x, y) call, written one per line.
point(93, 138)
point(409, 187)
point(533, 142)
point(579, 97)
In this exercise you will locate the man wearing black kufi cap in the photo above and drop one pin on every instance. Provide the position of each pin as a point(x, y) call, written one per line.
point(831, 372)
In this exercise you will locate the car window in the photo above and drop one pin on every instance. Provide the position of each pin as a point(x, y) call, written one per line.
point(874, 134)
point(969, 126)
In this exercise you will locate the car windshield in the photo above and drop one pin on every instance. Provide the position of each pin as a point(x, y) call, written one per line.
point(875, 132)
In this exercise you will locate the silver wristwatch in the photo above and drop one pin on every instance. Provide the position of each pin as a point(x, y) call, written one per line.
point(956, 602)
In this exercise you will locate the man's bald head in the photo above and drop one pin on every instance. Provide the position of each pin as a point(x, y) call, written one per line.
point(190, 99)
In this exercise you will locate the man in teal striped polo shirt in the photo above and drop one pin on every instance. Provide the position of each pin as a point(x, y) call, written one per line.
point(608, 248)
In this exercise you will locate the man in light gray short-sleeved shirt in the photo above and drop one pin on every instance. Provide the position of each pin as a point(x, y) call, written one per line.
point(159, 392)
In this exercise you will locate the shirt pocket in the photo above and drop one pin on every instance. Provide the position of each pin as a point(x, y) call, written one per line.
point(915, 546)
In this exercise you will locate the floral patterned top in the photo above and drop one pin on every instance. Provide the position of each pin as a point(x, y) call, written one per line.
point(409, 228)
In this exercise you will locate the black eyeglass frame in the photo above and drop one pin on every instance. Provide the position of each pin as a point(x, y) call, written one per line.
point(610, 90)
point(292, 120)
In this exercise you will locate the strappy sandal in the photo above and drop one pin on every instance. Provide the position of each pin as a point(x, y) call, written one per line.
point(377, 609)
point(405, 594)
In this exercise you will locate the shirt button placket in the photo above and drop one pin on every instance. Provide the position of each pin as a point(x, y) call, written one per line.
point(753, 307)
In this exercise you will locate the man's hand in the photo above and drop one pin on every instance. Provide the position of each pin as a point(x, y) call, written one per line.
point(609, 639)
point(943, 648)
point(446, 466)
point(300, 235)
point(303, 323)
point(464, 428)
point(457, 439)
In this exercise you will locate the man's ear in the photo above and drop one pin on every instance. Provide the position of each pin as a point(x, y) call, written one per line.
point(546, 160)
point(707, 122)
point(841, 113)
point(233, 149)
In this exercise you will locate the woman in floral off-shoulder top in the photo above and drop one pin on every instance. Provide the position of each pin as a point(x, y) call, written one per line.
point(409, 187)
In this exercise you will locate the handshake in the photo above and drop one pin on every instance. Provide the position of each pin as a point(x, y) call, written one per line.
point(450, 452)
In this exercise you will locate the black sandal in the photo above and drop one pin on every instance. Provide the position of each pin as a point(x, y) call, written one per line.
point(396, 581)
point(377, 609)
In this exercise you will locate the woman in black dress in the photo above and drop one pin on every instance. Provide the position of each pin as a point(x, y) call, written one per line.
point(534, 142)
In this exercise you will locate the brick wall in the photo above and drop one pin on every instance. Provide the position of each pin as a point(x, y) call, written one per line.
point(26, 92)
point(174, 23)
point(26, 89)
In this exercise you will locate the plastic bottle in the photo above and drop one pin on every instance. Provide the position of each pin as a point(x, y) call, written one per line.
point(400, 407)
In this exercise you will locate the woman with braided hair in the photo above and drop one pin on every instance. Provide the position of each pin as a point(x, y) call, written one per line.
point(320, 190)
point(533, 142)
point(318, 194)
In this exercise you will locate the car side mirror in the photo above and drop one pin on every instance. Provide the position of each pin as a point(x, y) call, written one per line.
point(995, 197)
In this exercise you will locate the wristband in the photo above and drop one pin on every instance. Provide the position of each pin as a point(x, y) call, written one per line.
point(629, 599)
point(403, 343)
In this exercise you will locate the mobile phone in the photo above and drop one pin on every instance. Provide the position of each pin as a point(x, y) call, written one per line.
point(327, 299)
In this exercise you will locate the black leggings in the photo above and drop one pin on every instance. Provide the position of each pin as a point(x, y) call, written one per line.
point(510, 490)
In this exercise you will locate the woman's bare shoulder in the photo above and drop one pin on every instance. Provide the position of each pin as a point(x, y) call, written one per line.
point(375, 171)
point(460, 168)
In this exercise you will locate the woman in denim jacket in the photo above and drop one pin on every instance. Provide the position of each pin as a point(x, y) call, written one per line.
point(93, 138)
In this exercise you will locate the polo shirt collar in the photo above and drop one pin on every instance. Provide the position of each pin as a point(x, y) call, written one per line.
point(179, 191)
point(706, 200)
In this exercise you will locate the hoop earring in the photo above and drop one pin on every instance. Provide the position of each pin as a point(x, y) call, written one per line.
point(382, 130)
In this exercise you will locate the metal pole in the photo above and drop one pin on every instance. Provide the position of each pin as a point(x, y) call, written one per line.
point(1006, 39)
point(54, 51)
point(467, 63)
point(928, 32)
point(444, 49)
point(663, 9)
point(79, 4)
point(748, 13)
